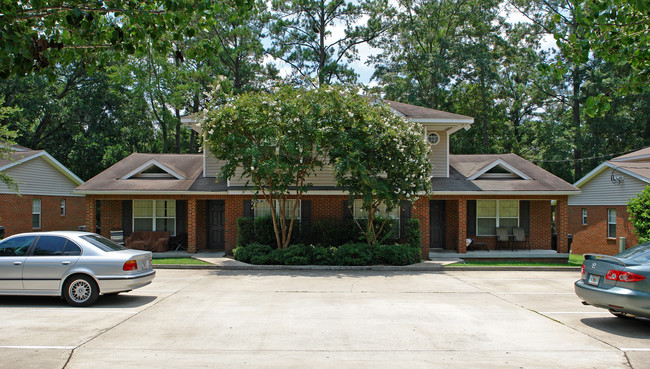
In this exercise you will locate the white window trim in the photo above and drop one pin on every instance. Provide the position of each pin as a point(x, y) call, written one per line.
point(39, 212)
point(153, 217)
point(62, 207)
point(276, 204)
point(610, 223)
point(584, 216)
point(497, 215)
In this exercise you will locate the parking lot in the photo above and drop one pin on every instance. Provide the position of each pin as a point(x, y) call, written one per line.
point(326, 319)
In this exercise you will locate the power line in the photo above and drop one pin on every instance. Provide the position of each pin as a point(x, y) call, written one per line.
point(606, 156)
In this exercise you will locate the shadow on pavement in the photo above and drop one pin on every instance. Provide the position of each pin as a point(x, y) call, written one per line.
point(632, 328)
point(121, 301)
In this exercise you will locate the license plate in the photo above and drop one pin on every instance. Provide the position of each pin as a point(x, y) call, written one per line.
point(594, 279)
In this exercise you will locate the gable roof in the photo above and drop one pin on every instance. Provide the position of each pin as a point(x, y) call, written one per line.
point(465, 177)
point(419, 113)
point(121, 177)
point(635, 164)
point(20, 155)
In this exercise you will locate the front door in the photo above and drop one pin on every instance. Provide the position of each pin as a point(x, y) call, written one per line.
point(216, 224)
point(437, 224)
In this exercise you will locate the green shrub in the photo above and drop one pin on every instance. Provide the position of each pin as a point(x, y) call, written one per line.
point(353, 254)
point(639, 210)
point(246, 253)
point(396, 255)
point(333, 232)
point(245, 231)
point(298, 255)
point(264, 232)
point(322, 255)
point(412, 230)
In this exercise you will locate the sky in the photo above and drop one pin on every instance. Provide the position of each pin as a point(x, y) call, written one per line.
point(365, 71)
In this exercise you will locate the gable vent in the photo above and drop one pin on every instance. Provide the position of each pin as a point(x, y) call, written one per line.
point(499, 169)
point(153, 169)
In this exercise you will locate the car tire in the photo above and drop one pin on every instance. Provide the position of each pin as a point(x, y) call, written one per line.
point(80, 290)
point(621, 315)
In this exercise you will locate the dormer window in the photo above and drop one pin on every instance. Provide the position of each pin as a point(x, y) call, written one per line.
point(433, 138)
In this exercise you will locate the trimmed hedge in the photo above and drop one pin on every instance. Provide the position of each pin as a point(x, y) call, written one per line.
point(347, 254)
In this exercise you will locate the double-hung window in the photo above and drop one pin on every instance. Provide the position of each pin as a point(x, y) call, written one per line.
point(63, 207)
point(493, 214)
point(360, 213)
point(263, 209)
point(154, 215)
point(584, 216)
point(36, 213)
point(611, 223)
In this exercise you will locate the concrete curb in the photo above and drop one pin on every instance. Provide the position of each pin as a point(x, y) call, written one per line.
point(386, 268)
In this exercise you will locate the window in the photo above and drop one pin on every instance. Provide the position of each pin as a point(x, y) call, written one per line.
point(493, 214)
point(263, 209)
point(611, 223)
point(63, 207)
point(359, 213)
point(16, 246)
point(36, 213)
point(584, 216)
point(154, 215)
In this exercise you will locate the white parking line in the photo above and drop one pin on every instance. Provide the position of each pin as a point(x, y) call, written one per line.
point(39, 347)
point(636, 349)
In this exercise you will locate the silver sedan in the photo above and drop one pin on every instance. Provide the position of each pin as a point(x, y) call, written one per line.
point(78, 266)
point(620, 283)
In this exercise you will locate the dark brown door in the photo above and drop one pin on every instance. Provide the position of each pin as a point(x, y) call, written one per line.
point(437, 224)
point(216, 224)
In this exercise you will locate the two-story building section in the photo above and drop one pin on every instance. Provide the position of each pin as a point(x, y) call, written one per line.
point(473, 195)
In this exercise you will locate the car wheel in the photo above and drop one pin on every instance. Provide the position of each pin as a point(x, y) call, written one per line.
point(621, 315)
point(80, 290)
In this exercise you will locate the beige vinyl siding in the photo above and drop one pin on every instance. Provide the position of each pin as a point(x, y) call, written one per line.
point(38, 177)
point(439, 154)
point(601, 191)
point(212, 165)
point(323, 177)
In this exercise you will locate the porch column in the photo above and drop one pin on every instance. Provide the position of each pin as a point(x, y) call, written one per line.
point(91, 214)
point(191, 225)
point(461, 246)
point(562, 224)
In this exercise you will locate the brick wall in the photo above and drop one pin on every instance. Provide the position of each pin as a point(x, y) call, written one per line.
point(592, 237)
point(16, 213)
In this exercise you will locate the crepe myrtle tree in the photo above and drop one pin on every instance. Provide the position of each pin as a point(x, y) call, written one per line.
point(275, 141)
point(381, 159)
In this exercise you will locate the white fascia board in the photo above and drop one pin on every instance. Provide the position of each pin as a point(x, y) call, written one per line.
point(55, 163)
point(443, 120)
point(608, 165)
point(149, 164)
point(503, 164)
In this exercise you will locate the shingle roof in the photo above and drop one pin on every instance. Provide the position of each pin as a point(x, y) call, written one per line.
point(639, 155)
point(418, 112)
point(18, 155)
point(189, 166)
point(462, 167)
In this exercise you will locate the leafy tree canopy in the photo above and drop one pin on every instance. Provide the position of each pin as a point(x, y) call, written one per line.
point(39, 33)
point(278, 140)
point(639, 210)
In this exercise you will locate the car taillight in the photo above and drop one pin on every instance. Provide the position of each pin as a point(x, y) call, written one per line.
point(618, 275)
point(582, 270)
point(130, 265)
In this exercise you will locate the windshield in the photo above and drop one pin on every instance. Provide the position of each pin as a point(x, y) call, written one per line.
point(640, 253)
point(102, 243)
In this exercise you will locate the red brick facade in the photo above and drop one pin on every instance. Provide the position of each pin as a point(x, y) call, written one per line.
point(324, 207)
point(592, 237)
point(16, 213)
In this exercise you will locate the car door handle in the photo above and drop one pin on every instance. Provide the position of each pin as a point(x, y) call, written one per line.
point(65, 263)
point(18, 263)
